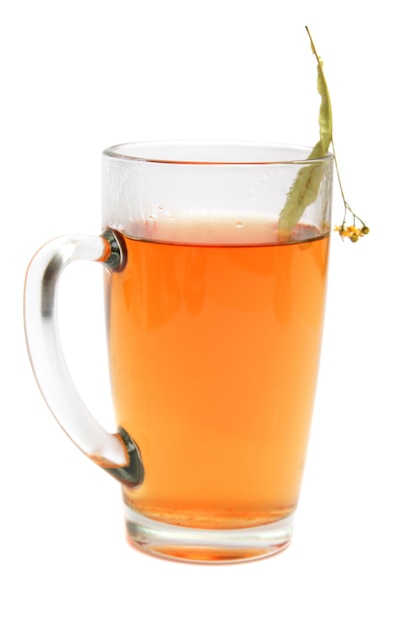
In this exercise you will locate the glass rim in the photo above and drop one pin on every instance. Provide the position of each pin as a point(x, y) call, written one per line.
point(130, 152)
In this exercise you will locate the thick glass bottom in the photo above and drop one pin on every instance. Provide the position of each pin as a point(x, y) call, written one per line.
point(196, 545)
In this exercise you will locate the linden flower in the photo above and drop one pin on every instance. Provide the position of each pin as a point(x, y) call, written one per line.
point(352, 232)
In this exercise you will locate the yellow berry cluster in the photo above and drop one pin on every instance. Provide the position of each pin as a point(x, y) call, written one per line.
point(352, 232)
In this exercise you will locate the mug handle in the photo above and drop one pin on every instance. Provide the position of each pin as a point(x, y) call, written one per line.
point(116, 453)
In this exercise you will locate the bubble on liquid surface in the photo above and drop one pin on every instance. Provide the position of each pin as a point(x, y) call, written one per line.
point(239, 225)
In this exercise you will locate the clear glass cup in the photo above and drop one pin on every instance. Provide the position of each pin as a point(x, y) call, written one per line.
point(214, 322)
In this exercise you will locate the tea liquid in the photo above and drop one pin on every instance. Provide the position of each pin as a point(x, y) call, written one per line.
point(214, 353)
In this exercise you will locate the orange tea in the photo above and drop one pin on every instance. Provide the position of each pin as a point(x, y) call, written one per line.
point(214, 353)
point(216, 259)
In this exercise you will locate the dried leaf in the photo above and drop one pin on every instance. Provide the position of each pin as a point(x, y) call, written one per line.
point(306, 185)
point(325, 117)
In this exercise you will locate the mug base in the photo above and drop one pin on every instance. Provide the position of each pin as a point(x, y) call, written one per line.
point(180, 543)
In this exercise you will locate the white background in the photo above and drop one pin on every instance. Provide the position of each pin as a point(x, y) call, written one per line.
point(79, 76)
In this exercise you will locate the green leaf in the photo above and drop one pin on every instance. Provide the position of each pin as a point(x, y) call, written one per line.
point(305, 188)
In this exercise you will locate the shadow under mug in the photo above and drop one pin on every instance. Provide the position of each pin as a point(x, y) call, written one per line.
point(214, 323)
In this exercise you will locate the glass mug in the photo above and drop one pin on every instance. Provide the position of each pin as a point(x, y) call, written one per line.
point(214, 326)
